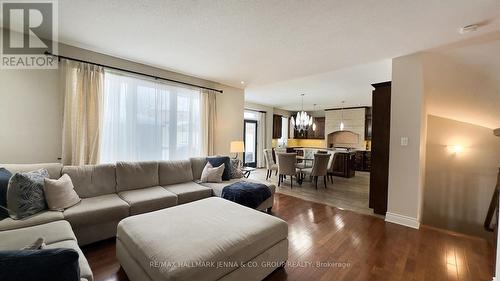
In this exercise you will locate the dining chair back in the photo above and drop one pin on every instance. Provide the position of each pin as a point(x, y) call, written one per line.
point(270, 165)
point(287, 166)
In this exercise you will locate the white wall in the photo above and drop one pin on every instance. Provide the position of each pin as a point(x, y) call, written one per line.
point(31, 108)
point(407, 163)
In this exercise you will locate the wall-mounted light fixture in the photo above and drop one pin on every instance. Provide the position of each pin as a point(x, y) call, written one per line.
point(455, 149)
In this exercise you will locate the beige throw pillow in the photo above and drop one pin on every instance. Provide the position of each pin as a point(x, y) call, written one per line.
point(211, 174)
point(60, 194)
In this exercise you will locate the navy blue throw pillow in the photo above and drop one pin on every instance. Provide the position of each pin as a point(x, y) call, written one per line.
point(4, 183)
point(216, 161)
point(41, 265)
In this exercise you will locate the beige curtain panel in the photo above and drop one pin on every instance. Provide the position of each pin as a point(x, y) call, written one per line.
point(83, 99)
point(209, 119)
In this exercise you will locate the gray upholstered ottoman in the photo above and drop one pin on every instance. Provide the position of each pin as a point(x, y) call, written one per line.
point(209, 239)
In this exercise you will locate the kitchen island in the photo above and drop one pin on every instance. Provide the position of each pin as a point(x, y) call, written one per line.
point(344, 165)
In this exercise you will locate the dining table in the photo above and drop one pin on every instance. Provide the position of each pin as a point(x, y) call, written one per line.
point(303, 160)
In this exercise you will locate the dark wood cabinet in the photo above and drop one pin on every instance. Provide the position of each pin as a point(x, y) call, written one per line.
point(319, 133)
point(362, 161)
point(381, 125)
point(344, 164)
point(368, 123)
point(277, 123)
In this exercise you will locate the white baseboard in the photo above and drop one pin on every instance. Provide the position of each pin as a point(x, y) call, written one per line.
point(402, 220)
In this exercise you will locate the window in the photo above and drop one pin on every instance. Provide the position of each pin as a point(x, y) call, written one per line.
point(149, 120)
point(284, 132)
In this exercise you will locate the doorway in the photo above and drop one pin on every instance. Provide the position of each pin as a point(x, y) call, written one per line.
point(250, 140)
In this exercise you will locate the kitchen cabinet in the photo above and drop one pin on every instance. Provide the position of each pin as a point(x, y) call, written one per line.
point(319, 133)
point(368, 123)
point(277, 123)
point(344, 164)
point(363, 160)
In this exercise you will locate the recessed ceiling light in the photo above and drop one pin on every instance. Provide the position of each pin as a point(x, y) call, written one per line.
point(469, 28)
point(242, 82)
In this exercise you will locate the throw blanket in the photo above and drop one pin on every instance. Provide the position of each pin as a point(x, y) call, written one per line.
point(246, 193)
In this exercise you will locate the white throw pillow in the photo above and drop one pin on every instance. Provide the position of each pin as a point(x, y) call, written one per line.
point(211, 174)
point(60, 194)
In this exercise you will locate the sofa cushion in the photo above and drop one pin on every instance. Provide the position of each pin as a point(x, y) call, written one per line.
point(25, 195)
point(92, 180)
point(52, 232)
point(60, 194)
point(54, 169)
point(85, 271)
point(104, 208)
point(57, 234)
point(4, 183)
point(189, 191)
point(217, 161)
point(171, 172)
point(218, 187)
point(197, 165)
point(211, 174)
point(148, 199)
point(37, 219)
point(42, 265)
point(134, 175)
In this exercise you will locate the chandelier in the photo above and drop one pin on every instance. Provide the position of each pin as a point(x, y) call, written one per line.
point(302, 121)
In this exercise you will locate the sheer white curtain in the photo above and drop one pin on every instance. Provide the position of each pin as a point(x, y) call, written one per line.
point(149, 120)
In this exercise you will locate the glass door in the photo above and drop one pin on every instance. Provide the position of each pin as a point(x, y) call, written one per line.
point(250, 139)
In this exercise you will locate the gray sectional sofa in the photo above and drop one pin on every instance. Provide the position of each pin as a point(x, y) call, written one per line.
point(109, 194)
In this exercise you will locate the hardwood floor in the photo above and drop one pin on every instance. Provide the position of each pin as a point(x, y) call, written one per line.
point(364, 248)
point(344, 193)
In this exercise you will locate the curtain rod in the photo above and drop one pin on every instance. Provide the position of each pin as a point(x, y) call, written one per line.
point(254, 110)
point(131, 71)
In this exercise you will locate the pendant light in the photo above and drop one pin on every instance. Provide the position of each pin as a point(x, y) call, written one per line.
point(314, 123)
point(302, 120)
point(342, 117)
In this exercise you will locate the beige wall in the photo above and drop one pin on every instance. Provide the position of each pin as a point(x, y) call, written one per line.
point(354, 121)
point(32, 111)
point(458, 188)
point(406, 163)
point(31, 116)
point(229, 128)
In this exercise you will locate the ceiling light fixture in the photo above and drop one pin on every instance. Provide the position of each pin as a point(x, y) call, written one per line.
point(242, 82)
point(302, 120)
point(469, 28)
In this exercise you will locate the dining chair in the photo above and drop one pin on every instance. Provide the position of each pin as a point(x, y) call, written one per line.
point(287, 166)
point(270, 164)
point(331, 165)
point(319, 168)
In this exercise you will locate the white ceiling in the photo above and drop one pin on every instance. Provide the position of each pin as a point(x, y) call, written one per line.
point(326, 90)
point(263, 42)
